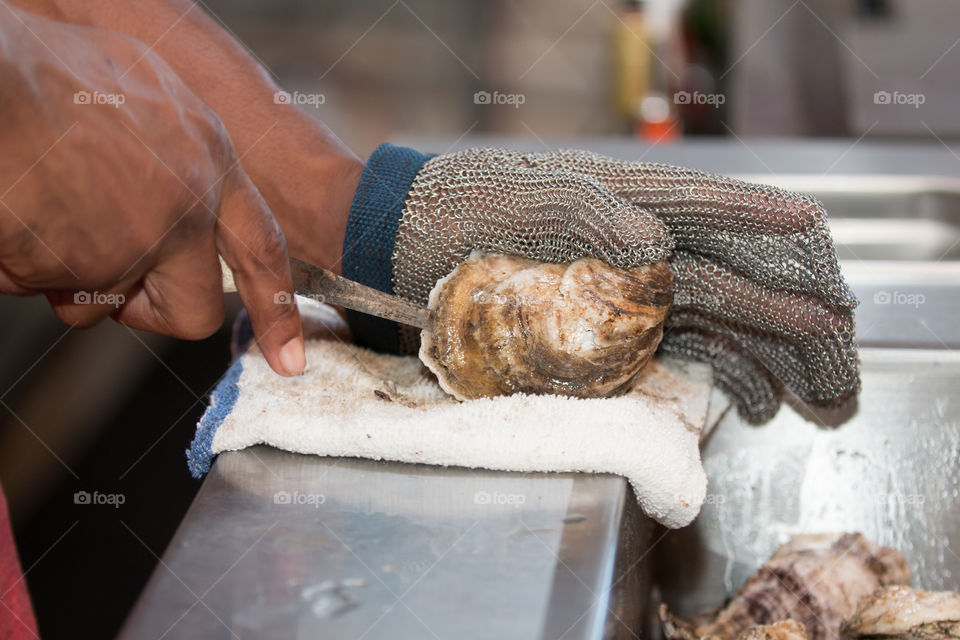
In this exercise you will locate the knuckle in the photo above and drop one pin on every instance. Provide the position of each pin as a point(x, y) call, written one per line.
point(274, 243)
point(20, 272)
point(268, 245)
point(807, 212)
point(17, 239)
point(26, 259)
point(618, 231)
point(200, 218)
point(199, 190)
point(216, 130)
point(646, 236)
point(591, 189)
point(213, 133)
point(34, 270)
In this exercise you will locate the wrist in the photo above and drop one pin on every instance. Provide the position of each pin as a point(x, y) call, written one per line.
point(310, 200)
point(308, 179)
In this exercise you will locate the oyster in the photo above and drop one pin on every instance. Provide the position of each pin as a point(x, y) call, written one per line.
point(902, 612)
point(782, 630)
point(816, 580)
point(506, 324)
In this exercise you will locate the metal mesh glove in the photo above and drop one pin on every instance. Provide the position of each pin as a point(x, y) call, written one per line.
point(758, 288)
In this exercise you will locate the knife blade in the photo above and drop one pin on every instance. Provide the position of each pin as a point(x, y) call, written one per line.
point(322, 285)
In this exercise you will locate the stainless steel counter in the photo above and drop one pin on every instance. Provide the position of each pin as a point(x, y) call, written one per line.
point(283, 545)
point(279, 545)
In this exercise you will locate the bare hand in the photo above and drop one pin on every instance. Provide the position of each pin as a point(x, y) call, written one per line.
point(121, 187)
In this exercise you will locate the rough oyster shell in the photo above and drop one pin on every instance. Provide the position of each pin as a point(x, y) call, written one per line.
point(783, 630)
point(902, 612)
point(816, 580)
point(506, 324)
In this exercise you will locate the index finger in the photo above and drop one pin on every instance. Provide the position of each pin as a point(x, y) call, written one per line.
point(253, 246)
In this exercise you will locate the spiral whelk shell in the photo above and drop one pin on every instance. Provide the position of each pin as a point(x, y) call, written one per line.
point(815, 579)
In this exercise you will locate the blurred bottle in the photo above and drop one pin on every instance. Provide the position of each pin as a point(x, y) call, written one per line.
point(631, 58)
point(701, 96)
point(641, 76)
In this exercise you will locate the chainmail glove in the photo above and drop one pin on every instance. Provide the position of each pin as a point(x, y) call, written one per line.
point(759, 293)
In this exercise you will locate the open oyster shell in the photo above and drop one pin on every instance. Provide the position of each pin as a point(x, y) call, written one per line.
point(782, 630)
point(905, 613)
point(506, 324)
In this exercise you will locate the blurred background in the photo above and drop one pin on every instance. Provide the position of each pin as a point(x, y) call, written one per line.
point(112, 410)
point(605, 68)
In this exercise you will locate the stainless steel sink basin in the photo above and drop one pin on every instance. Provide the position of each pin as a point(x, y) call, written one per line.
point(898, 238)
point(890, 471)
point(888, 466)
point(900, 218)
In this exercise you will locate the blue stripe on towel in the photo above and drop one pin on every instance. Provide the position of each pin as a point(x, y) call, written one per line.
point(222, 400)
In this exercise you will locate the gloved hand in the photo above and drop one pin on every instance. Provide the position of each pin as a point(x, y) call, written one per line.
point(759, 293)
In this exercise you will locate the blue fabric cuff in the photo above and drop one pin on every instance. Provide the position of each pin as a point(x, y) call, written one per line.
point(371, 233)
point(222, 400)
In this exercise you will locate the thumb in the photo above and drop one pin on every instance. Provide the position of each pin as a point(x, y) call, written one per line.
point(619, 232)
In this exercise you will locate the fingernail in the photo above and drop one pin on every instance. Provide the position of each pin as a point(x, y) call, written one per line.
point(292, 357)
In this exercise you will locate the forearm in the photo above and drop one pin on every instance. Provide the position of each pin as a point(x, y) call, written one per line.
point(32, 85)
point(22, 60)
point(312, 201)
point(13, 83)
point(204, 56)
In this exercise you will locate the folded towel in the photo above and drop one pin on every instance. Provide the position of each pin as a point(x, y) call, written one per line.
point(358, 403)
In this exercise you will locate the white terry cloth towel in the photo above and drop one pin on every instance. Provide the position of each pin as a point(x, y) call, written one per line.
point(357, 403)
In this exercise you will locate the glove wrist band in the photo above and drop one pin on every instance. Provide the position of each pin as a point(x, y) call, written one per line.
point(371, 232)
